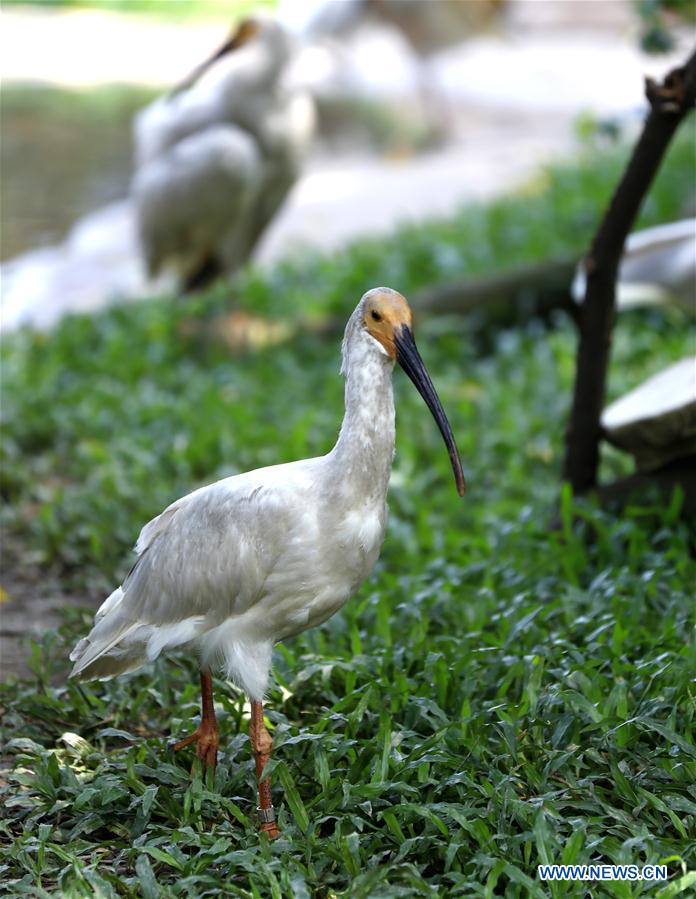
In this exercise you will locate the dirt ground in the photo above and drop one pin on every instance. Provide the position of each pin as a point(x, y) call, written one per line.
point(31, 600)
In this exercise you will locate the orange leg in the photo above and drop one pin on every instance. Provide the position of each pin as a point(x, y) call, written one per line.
point(262, 745)
point(206, 736)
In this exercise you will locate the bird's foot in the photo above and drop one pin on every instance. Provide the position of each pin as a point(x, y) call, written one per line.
point(207, 740)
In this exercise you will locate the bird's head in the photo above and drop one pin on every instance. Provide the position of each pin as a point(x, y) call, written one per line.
point(385, 312)
point(244, 32)
point(387, 318)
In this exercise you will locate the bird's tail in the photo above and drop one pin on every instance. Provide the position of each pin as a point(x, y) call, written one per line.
point(111, 647)
point(118, 644)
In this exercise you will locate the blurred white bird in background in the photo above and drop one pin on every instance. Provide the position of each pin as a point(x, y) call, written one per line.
point(235, 567)
point(217, 156)
point(428, 26)
point(410, 35)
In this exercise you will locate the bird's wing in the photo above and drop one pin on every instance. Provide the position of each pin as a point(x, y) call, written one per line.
point(167, 120)
point(205, 558)
point(112, 646)
point(197, 197)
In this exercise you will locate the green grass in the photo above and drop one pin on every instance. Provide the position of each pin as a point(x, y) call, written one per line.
point(497, 696)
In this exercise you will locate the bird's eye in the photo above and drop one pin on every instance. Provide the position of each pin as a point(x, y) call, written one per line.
point(376, 316)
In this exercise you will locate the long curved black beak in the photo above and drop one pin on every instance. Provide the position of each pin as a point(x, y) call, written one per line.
point(409, 359)
point(231, 44)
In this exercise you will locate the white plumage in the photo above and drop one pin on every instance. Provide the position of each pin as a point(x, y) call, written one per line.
point(235, 567)
point(215, 159)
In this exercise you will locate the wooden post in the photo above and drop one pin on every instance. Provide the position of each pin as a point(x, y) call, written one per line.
point(670, 102)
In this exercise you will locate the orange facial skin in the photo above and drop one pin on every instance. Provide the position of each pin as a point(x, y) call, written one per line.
point(386, 311)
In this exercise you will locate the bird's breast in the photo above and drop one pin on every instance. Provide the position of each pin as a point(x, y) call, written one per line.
point(358, 536)
point(361, 530)
point(345, 548)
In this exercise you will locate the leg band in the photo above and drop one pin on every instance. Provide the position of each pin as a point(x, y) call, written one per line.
point(266, 815)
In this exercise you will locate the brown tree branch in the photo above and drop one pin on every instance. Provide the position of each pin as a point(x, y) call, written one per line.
point(519, 293)
point(670, 102)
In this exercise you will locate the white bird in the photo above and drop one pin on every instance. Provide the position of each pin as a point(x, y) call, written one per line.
point(216, 157)
point(237, 566)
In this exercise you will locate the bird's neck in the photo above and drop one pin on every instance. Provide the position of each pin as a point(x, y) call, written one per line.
point(364, 451)
point(258, 67)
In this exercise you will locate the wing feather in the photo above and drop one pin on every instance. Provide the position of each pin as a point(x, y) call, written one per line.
point(206, 558)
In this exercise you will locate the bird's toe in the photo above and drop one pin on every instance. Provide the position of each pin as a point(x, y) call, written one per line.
point(207, 740)
point(176, 745)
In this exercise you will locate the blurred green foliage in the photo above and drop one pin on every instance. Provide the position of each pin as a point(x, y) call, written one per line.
point(497, 696)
